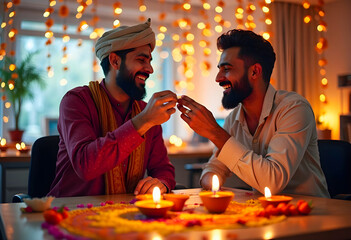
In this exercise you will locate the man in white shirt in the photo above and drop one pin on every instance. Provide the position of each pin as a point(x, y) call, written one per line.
point(270, 138)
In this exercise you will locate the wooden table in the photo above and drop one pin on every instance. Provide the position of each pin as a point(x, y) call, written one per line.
point(330, 219)
point(14, 168)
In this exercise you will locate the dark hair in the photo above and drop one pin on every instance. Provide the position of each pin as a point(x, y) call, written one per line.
point(253, 49)
point(105, 63)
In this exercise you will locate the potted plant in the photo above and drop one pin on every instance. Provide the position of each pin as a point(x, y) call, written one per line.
point(17, 87)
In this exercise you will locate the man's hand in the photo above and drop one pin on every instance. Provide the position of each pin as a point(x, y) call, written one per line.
point(147, 185)
point(157, 111)
point(206, 181)
point(201, 120)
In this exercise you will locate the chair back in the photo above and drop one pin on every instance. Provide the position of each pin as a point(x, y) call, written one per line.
point(42, 165)
point(335, 157)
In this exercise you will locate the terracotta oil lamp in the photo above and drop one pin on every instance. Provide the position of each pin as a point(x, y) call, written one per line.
point(216, 201)
point(273, 200)
point(178, 200)
point(3, 146)
point(155, 208)
point(21, 147)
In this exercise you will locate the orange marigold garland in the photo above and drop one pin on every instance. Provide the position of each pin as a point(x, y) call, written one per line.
point(110, 220)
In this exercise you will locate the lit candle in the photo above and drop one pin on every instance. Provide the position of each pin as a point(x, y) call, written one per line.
point(3, 146)
point(156, 207)
point(216, 201)
point(273, 200)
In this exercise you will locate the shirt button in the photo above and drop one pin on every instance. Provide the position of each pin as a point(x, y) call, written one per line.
point(255, 140)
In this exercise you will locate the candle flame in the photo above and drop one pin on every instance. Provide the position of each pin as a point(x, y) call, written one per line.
point(156, 195)
point(23, 145)
point(267, 192)
point(215, 183)
point(18, 146)
point(3, 142)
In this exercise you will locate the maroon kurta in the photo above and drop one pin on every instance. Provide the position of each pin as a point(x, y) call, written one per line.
point(84, 156)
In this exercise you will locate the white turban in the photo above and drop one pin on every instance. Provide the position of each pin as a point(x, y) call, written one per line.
point(125, 37)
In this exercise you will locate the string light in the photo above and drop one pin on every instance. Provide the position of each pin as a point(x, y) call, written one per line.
point(320, 47)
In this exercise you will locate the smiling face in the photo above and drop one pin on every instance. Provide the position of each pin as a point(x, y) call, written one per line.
point(233, 77)
point(134, 71)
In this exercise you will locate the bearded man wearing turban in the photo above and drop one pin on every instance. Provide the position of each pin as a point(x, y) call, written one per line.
point(109, 137)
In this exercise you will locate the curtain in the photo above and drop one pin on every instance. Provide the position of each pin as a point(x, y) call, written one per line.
point(294, 42)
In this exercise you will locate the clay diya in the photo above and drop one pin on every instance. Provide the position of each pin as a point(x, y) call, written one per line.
point(155, 208)
point(216, 201)
point(3, 146)
point(21, 147)
point(178, 200)
point(274, 200)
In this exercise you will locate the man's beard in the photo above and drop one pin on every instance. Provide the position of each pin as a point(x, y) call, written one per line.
point(126, 81)
point(237, 93)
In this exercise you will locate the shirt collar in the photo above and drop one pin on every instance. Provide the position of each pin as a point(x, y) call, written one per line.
point(266, 107)
point(268, 102)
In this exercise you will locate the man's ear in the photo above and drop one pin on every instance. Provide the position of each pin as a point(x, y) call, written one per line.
point(115, 60)
point(256, 71)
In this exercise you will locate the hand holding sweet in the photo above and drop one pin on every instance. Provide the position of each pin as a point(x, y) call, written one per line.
point(157, 111)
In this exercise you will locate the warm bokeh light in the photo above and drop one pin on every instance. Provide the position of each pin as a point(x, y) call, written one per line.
point(201, 25)
point(5, 119)
point(218, 28)
point(186, 6)
point(12, 67)
point(265, 9)
point(161, 36)
point(49, 34)
point(142, 8)
point(163, 29)
point(116, 23)
point(175, 37)
point(7, 104)
point(307, 19)
point(63, 82)
point(66, 38)
point(218, 9)
point(206, 6)
point(268, 21)
point(159, 43)
point(11, 86)
point(322, 98)
point(118, 11)
point(306, 4)
point(266, 35)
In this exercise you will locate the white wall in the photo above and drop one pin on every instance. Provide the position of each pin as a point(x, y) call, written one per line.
point(338, 54)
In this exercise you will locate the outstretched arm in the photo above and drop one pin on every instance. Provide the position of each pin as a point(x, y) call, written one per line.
point(157, 111)
point(201, 120)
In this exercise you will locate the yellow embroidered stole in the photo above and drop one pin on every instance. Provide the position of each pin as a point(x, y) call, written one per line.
point(115, 180)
